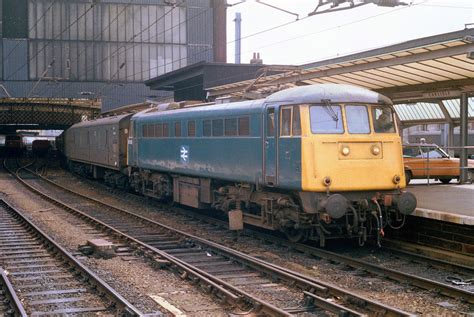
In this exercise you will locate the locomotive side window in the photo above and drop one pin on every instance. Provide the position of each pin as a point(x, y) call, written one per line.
point(296, 122)
point(158, 130)
point(166, 132)
point(230, 127)
point(290, 121)
point(177, 129)
point(326, 119)
point(244, 126)
point(357, 119)
point(286, 121)
point(217, 127)
point(270, 122)
point(191, 128)
point(382, 118)
point(206, 128)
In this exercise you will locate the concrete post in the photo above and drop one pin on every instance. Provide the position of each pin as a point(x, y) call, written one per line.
point(464, 136)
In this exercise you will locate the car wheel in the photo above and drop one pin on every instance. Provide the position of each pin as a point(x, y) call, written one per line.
point(408, 176)
point(445, 180)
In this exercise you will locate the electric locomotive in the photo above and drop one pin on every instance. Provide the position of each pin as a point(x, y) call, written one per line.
point(315, 162)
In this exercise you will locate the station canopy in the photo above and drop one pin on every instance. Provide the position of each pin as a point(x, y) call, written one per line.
point(424, 77)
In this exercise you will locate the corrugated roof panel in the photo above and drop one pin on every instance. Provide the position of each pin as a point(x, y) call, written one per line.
point(402, 54)
point(419, 111)
point(386, 57)
point(401, 113)
point(454, 108)
point(418, 51)
point(458, 63)
point(364, 79)
point(408, 77)
point(381, 77)
point(425, 72)
point(347, 80)
point(372, 59)
point(408, 72)
point(454, 43)
point(464, 58)
point(454, 72)
point(436, 47)
point(377, 72)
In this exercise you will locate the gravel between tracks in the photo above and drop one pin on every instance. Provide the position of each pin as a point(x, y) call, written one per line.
point(132, 277)
point(402, 296)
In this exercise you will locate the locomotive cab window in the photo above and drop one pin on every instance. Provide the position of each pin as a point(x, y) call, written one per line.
point(357, 119)
point(290, 121)
point(382, 118)
point(326, 119)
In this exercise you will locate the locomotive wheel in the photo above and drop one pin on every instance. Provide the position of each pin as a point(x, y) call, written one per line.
point(296, 235)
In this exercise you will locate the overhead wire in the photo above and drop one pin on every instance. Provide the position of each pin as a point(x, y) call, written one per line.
point(289, 39)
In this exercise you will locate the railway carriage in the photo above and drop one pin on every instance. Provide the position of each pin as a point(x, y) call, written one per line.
point(316, 162)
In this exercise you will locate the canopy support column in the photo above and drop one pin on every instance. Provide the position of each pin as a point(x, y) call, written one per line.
point(464, 136)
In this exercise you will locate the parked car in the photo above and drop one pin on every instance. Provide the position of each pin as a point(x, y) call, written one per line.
point(424, 160)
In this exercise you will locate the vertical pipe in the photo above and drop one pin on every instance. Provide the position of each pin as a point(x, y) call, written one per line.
point(238, 24)
point(464, 135)
point(451, 139)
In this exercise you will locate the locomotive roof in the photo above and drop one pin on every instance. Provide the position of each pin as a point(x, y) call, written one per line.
point(334, 93)
point(102, 121)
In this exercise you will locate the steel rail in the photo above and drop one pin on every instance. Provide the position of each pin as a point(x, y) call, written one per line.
point(444, 289)
point(229, 293)
point(304, 282)
point(122, 305)
point(13, 301)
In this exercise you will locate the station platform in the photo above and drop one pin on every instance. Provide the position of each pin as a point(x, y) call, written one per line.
point(450, 203)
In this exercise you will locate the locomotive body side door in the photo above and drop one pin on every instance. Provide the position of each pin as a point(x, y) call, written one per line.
point(132, 145)
point(270, 148)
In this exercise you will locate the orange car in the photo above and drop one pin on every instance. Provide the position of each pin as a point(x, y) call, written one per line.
point(430, 161)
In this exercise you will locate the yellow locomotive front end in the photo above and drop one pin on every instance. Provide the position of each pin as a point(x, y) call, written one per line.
point(352, 170)
point(351, 147)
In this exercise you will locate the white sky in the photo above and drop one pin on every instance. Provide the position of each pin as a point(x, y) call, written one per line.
point(338, 33)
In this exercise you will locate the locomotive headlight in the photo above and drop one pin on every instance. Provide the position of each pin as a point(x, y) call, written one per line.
point(375, 150)
point(345, 150)
point(396, 179)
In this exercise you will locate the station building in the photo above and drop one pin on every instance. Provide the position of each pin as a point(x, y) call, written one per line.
point(104, 49)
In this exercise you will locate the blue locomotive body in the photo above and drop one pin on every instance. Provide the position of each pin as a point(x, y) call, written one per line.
point(223, 142)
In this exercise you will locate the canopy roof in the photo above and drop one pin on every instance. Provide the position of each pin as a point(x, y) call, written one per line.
point(446, 58)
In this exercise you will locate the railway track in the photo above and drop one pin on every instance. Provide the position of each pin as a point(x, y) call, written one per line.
point(46, 278)
point(457, 292)
point(10, 304)
point(236, 278)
